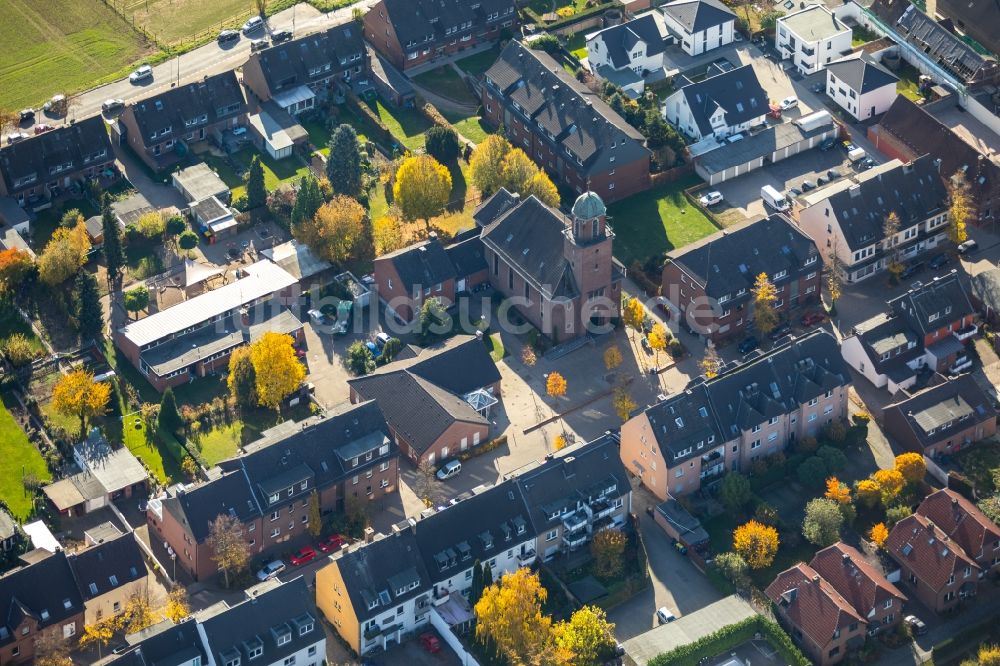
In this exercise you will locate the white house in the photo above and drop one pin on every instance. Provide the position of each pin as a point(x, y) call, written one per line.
point(721, 105)
point(627, 53)
point(812, 37)
point(860, 86)
point(700, 25)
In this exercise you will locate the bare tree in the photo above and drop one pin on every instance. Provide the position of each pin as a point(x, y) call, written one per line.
point(834, 276)
point(230, 550)
point(261, 7)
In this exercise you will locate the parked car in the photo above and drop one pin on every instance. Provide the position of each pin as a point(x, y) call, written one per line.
point(915, 624)
point(911, 270)
point(780, 331)
point(112, 104)
point(332, 543)
point(270, 570)
point(55, 106)
point(812, 318)
point(822, 180)
point(380, 339)
point(938, 261)
point(448, 470)
point(968, 246)
point(711, 198)
point(254, 24)
point(259, 45)
point(748, 345)
point(789, 103)
point(795, 191)
point(430, 642)
point(664, 615)
point(808, 185)
point(142, 74)
point(303, 555)
point(27, 115)
point(279, 36)
point(42, 127)
point(228, 36)
point(827, 144)
point(15, 137)
point(239, 130)
point(866, 163)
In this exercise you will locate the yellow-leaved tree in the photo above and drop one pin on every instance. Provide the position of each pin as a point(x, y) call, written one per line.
point(555, 385)
point(422, 188)
point(623, 403)
point(177, 607)
point(230, 550)
point(989, 654)
point(64, 254)
point(890, 483)
point(837, 491)
point(486, 164)
point(509, 615)
point(587, 636)
point(277, 369)
point(658, 339)
point(387, 235)
point(608, 551)
point(868, 492)
point(542, 187)
point(633, 314)
point(612, 357)
point(890, 245)
point(765, 295)
point(98, 634)
point(710, 363)
point(337, 231)
point(76, 394)
point(959, 208)
point(912, 466)
point(756, 543)
point(878, 534)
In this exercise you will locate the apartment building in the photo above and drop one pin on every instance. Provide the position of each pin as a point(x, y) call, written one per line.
point(812, 37)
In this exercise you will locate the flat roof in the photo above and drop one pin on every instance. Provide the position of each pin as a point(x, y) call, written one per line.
point(200, 182)
point(297, 259)
point(115, 470)
point(814, 23)
point(763, 143)
point(262, 279)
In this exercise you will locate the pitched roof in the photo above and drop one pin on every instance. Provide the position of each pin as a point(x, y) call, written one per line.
point(107, 566)
point(698, 15)
point(415, 20)
point(935, 413)
point(851, 575)
point(573, 119)
point(974, 17)
point(366, 572)
point(737, 92)
point(861, 73)
point(49, 604)
point(811, 604)
point(962, 520)
point(937, 303)
point(814, 23)
point(499, 203)
point(314, 57)
point(210, 100)
point(79, 144)
point(422, 264)
point(942, 46)
point(928, 552)
point(168, 644)
point(466, 254)
point(197, 507)
point(648, 29)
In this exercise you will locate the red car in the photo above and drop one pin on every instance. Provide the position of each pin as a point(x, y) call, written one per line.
point(40, 128)
point(813, 318)
point(430, 642)
point(304, 554)
point(331, 543)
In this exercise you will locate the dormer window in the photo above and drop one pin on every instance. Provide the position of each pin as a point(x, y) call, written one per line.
point(373, 604)
point(274, 497)
point(67, 604)
point(233, 661)
point(306, 627)
point(113, 579)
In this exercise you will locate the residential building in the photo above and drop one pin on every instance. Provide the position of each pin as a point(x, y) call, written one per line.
point(711, 281)
point(408, 276)
point(812, 37)
point(347, 454)
point(750, 412)
point(984, 292)
point(31, 610)
point(10, 533)
point(437, 403)
point(860, 86)
point(931, 564)
point(943, 418)
point(410, 33)
point(700, 25)
point(297, 73)
point(820, 620)
point(718, 106)
point(108, 575)
point(966, 525)
point(558, 270)
point(45, 166)
point(195, 337)
point(377, 592)
point(974, 19)
point(925, 330)
point(567, 129)
point(164, 643)
point(162, 129)
point(629, 53)
point(866, 588)
point(907, 132)
point(848, 216)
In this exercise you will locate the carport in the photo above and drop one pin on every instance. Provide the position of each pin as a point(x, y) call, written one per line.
point(773, 144)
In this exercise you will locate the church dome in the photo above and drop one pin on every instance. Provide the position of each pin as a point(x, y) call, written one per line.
point(588, 206)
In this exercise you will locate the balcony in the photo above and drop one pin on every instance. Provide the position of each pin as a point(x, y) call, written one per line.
point(600, 509)
point(574, 541)
point(961, 364)
point(574, 521)
point(964, 334)
point(711, 472)
point(440, 597)
point(527, 559)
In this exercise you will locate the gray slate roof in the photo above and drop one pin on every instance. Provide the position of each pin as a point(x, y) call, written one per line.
point(937, 303)
point(367, 570)
point(737, 92)
point(698, 15)
point(169, 645)
point(81, 144)
point(21, 595)
point(422, 264)
point(288, 65)
point(499, 203)
point(107, 566)
point(218, 97)
point(620, 39)
point(978, 18)
point(861, 73)
point(415, 20)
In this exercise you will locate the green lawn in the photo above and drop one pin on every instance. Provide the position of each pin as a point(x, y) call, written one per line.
point(907, 85)
point(47, 221)
point(20, 457)
point(276, 172)
point(476, 65)
point(862, 35)
point(637, 234)
point(471, 127)
point(446, 82)
point(495, 345)
point(319, 134)
point(577, 45)
point(12, 322)
point(980, 463)
point(407, 125)
point(221, 443)
point(720, 532)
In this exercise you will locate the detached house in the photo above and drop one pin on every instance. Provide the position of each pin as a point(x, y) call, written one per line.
point(414, 32)
point(700, 25)
point(45, 166)
point(567, 129)
point(710, 281)
point(812, 38)
point(848, 216)
point(347, 454)
point(860, 86)
point(924, 330)
point(719, 106)
point(725, 423)
point(966, 525)
point(161, 129)
point(627, 53)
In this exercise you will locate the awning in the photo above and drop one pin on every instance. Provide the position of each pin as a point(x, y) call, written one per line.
point(223, 224)
point(63, 494)
point(294, 96)
point(195, 272)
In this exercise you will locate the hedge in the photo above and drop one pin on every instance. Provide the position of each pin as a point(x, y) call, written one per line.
point(728, 637)
point(953, 647)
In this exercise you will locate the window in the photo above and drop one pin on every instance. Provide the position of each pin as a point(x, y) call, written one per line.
point(289, 660)
point(812, 417)
point(887, 604)
point(552, 535)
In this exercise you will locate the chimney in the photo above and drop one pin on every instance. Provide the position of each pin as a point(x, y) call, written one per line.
point(846, 558)
point(816, 578)
point(369, 534)
point(245, 317)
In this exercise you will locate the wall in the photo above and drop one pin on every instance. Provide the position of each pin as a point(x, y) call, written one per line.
point(333, 601)
point(103, 607)
point(445, 631)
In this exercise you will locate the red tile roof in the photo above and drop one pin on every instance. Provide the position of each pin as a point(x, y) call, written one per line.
point(854, 577)
point(961, 520)
point(811, 604)
point(928, 552)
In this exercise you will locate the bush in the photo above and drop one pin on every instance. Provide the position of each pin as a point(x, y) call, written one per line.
point(547, 42)
point(728, 637)
point(19, 350)
point(812, 472)
point(834, 459)
point(442, 144)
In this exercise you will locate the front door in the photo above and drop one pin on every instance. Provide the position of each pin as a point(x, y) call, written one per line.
point(465, 443)
point(444, 452)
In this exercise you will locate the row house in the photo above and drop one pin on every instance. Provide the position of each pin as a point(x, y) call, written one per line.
point(966, 525)
point(722, 104)
point(723, 424)
point(410, 33)
point(377, 593)
point(567, 129)
point(268, 487)
point(108, 575)
point(162, 129)
point(710, 282)
point(848, 216)
point(49, 165)
point(925, 330)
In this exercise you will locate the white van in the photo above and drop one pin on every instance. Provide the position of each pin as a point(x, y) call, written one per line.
point(774, 198)
point(856, 154)
point(448, 470)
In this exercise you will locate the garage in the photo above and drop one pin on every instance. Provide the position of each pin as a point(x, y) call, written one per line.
point(773, 144)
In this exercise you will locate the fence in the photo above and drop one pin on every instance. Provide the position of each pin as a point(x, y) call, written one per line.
point(122, 9)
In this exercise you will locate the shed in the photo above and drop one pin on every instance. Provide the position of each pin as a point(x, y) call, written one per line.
point(679, 524)
point(276, 131)
point(199, 182)
point(298, 260)
point(95, 231)
point(213, 218)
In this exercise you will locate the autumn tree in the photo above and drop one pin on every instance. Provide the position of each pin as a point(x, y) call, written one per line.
point(486, 164)
point(890, 483)
point(912, 466)
point(359, 358)
point(138, 612)
point(823, 521)
point(387, 235)
point(735, 492)
point(612, 357)
point(89, 313)
point(542, 188)
point(315, 515)
point(256, 192)
point(422, 188)
point(623, 403)
point(555, 385)
point(242, 379)
point(510, 616)
point(151, 224)
point(587, 636)
point(633, 314)
point(528, 356)
point(177, 607)
point(337, 230)
point(837, 491)
point(114, 251)
point(756, 543)
point(834, 276)
point(98, 634)
point(765, 295)
point(517, 169)
point(559, 443)
point(890, 246)
point(711, 363)
point(343, 166)
point(229, 548)
point(52, 649)
point(733, 568)
point(15, 266)
point(989, 654)
point(277, 369)
point(878, 534)
point(658, 339)
point(960, 208)
point(868, 492)
point(64, 255)
point(76, 394)
point(608, 550)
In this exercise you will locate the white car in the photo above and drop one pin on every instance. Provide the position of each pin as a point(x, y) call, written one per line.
point(253, 25)
point(711, 198)
point(789, 103)
point(141, 74)
point(270, 570)
point(664, 615)
point(113, 104)
point(448, 470)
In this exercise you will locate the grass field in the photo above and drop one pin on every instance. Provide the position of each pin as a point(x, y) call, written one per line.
point(61, 46)
point(408, 125)
point(472, 128)
point(221, 443)
point(476, 65)
point(20, 457)
point(174, 21)
point(446, 82)
point(12, 322)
